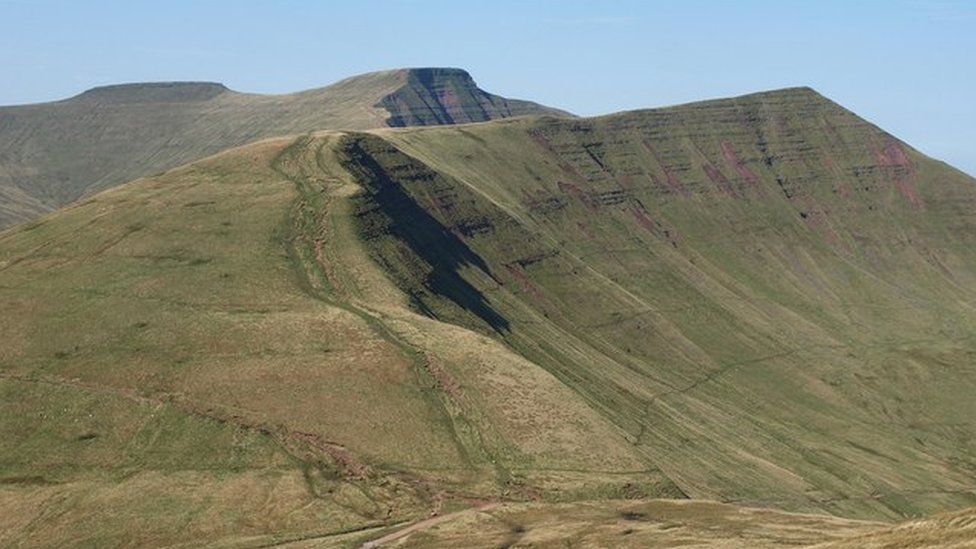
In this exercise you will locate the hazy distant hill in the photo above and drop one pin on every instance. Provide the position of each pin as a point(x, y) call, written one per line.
point(53, 153)
point(762, 300)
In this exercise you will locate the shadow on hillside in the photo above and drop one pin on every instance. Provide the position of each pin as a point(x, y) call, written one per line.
point(392, 211)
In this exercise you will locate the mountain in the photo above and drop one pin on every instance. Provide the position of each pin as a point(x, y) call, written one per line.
point(771, 297)
point(52, 154)
point(763, 300)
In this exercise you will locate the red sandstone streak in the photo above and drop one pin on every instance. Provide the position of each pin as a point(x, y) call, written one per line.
point(642, 219)
point(544, 142)
point(894, 161)
point(744, 172)
point(719, 179)
point(577, 193)
point(673, 183)
point(527, 285)
point(452, 105)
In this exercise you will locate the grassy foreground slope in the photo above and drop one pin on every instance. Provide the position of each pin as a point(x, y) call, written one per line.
point(208, 356)
point(944, 531)
point(770, 296)
point(655, 523)
point(54, 153)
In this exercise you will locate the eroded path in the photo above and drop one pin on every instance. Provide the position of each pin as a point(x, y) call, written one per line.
point(425, 524)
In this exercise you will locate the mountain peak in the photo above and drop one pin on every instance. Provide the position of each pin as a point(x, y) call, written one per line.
point(797, 100)
point(447, 95)
point(431, 73)
point(153, 92)
point(792, 94)
point(794, 90)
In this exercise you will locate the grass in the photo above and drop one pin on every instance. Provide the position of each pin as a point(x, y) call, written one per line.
point(323, 338)
point(251, 358)
point(768, 294)
point(950, 530)
point(198, 303)
point(659, 523)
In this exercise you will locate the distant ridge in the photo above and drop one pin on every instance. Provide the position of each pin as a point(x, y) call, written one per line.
point(51, 154)
point(146, 92)
point(803, 97)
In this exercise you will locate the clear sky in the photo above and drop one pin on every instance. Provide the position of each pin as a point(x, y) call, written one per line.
point(907, 65)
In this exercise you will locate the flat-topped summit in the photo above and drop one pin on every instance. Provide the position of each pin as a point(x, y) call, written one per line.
point(153, 92)
point(429, 74)
point(444, 95)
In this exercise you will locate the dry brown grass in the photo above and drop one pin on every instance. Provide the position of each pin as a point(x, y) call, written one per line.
point(944, 531)
point(658, 523)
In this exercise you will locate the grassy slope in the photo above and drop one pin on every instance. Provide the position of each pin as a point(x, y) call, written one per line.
point(674, 523)
point(53, 153)
point(174, 413)
point(944, 531)
point(608, 321)
point(771, 296)
point(184, 360)
point(656, 523)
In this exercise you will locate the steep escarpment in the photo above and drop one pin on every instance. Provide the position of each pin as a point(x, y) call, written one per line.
point(52, 154)
point(435, 96)
point(771, 295)
point(389, 215)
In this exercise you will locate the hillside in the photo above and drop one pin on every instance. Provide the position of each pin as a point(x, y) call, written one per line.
point(764, 300)
point(770, 296)
point(944, 531)
point(177, 359)
point(51, 154)
point(655, 523)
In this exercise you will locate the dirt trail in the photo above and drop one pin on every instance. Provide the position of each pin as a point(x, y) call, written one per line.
point(425, 524)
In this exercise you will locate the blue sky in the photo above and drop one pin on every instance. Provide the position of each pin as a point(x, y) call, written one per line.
point(907, 65)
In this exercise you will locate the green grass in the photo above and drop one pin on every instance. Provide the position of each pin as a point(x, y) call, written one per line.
point(764, 301)
point(176, 344)
point(793, 331)
point(248, 362)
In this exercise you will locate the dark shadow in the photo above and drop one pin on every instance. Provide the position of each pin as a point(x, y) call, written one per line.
point(411, 224)
point(633, 515)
